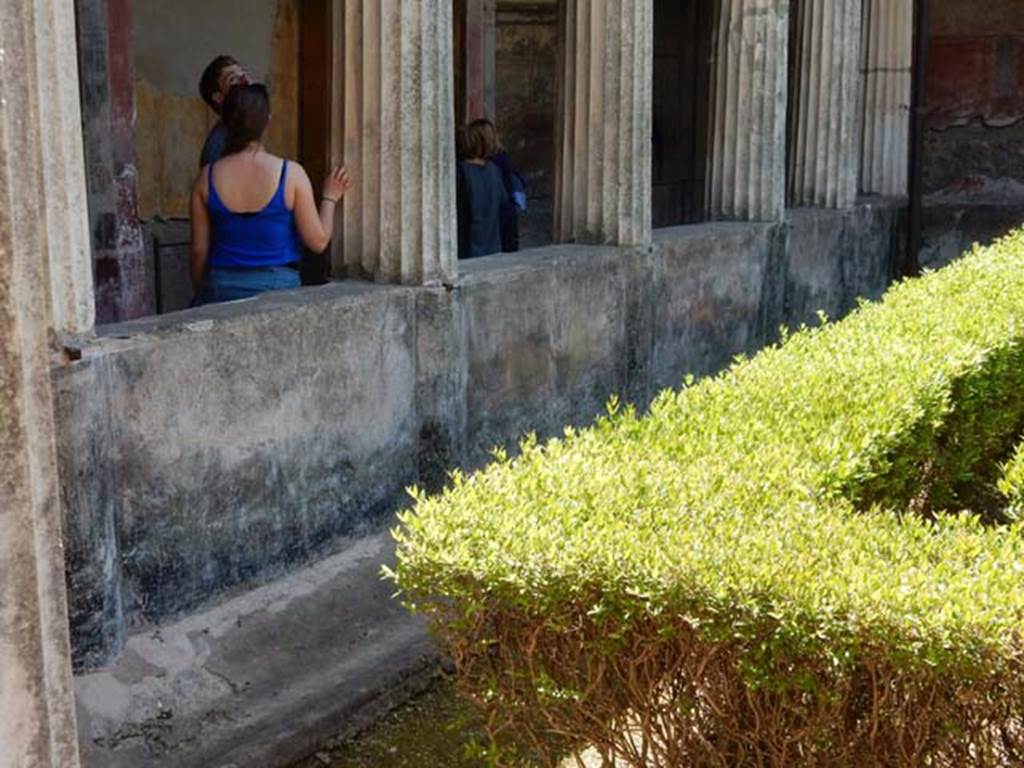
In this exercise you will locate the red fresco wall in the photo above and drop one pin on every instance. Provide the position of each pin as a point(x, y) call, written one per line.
point(976, 62)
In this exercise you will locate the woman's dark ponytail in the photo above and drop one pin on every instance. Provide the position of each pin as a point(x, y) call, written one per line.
point(246, 113)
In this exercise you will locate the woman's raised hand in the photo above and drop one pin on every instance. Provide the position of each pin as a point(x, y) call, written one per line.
point(337, 183)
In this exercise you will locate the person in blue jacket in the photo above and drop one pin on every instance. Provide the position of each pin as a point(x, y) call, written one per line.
point(488, 193)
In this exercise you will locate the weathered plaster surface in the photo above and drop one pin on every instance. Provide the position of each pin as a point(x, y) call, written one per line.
point(108, 116)
point(526, 52)
point(974, 145)
point(547, 340)
point(172, 43)
point(234, 444)
point(995, 17)
point(975, 95)
point(209, 451)
point(214, 448)
point(37, 722)
point(709, 286)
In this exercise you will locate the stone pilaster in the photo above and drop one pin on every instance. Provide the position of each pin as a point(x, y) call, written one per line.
point(824, 103)
point(399, 141)
point(603, 151)
point(747, 142)
point(67, 220)
point(37, 720)
point(888, 56)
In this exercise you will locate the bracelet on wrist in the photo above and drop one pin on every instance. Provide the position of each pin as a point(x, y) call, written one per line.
point(327, 199)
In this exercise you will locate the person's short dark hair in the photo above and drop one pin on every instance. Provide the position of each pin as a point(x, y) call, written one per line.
point(481, 141)
point(209, 83)
point(246, 114)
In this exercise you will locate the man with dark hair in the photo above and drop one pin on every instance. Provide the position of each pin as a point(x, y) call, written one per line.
point(220, 75)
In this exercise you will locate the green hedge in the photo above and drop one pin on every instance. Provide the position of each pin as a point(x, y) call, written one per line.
point(796, 519)
point(1011, 484)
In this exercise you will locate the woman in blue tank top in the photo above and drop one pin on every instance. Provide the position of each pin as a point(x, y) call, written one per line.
point(252, 212)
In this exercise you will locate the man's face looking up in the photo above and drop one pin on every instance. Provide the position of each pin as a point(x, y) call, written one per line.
point(229, 78)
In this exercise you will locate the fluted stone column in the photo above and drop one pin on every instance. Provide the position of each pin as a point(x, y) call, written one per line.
point(888, 56)
point(398, 138)
point(824, 105)
point(746, 166)
point(37, 720)
point(603, 154)
point(67, 218)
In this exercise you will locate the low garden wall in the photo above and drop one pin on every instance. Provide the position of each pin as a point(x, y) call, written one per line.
point(210, 450)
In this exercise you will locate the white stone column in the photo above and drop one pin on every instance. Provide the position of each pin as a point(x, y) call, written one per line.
point(888, 61)
point(398, 138)
point(603, 151)
point(37, 720)
point(824, 106)
point(746, 165)
point(67, 218)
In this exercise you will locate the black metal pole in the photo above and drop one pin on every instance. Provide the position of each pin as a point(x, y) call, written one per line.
point(918, 108)
point(158, 276)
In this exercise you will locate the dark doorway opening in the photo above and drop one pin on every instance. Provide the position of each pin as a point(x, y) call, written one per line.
point(505, 55)
point(682, 75)
point(316, 69)
point(526, 67)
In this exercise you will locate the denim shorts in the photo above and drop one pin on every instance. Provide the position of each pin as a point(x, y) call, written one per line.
point(224, 284)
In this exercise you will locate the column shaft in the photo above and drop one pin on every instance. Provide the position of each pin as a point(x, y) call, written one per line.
point(746, 167)
point(824, 107)
point(67, 220)
point(888, 57)
point(603, 155)
point(37, 720)
point(399, 141)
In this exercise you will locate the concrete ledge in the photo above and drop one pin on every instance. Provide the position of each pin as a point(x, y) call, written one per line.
point(262, 679)
point(147, 330)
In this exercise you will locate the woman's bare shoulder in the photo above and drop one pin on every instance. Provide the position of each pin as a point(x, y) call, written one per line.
point(296, 173)
point(294, 166)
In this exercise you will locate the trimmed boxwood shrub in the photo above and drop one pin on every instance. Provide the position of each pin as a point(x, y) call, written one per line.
point(1011, 484)
point(774, 567)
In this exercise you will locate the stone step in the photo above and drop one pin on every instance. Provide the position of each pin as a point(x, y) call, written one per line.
point(263, 678)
